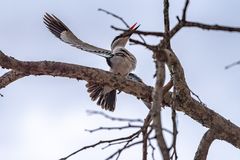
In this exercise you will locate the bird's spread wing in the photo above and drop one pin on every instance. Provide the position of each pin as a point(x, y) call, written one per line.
point(61, 31)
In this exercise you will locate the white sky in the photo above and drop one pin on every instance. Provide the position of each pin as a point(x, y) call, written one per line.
point(45, 117)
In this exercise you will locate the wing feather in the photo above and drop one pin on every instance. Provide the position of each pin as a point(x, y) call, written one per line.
point(61, 31)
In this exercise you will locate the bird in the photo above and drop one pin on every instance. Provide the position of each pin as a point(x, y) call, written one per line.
point(119, 59)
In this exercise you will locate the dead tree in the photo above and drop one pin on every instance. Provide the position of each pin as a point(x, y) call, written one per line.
point(180, 99)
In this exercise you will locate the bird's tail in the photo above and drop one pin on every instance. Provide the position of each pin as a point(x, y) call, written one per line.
point(106, 100)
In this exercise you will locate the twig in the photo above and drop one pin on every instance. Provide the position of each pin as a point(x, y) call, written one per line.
point(145, 33)
point(113, 118)
point(151, 47)
point(119, 151)
point(185, 10)
point(102, 142)
point(153, 148)
point(194, 94)
point(128, 145)
point(114, 15)
point(215, 27)
point(181, 22)
point(113, 128)
point(233, 64)
point(175, 132)
point(120, 18)
point(166, 16)
point(145, 136)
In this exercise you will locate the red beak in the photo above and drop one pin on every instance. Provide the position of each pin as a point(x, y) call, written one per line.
point(133, 26)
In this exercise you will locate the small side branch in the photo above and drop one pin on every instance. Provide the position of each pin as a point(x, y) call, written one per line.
point(115, 16)
point(232, 65)
point(175, 132)
point(121, 19)
point(166, 40)
point(185, 10)
point(115, 141)
point(144, 33)
point(204, 145)
point(151, 47)
point(166, 16)
point(145, 135)
point(215, 27)
point(113, 118)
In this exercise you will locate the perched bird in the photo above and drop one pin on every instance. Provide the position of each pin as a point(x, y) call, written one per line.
point(120, 60)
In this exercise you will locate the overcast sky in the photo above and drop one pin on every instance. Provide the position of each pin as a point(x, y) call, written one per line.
point(45, 117)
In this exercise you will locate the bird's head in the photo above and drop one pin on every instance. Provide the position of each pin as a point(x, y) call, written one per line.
point(121, 40)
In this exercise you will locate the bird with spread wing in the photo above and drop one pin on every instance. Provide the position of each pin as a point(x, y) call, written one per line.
point(120, 60)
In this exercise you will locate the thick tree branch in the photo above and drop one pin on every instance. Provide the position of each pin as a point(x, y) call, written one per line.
point(10, 77)
point(77, 72)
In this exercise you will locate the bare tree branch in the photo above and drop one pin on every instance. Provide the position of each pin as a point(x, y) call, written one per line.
point(175, 132)
point(233, 64)
point(145, 135)
point(152, 147)
point(166, 40)
point(113, 128)
point(204, 145)
point(77, 72)
point(176, 29)
point(10, 77)
point(113, 118)
point(114, 15)
point(183, 99)
point(121, 19)
point(156, 109)
point(215, 27)
point(144, 33)
point(185, 10)
point(166, 16)
point(151, 47)
point(103, 142)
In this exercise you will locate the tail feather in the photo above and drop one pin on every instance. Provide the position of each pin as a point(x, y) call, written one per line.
point(110, 100)
point(106, 100)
